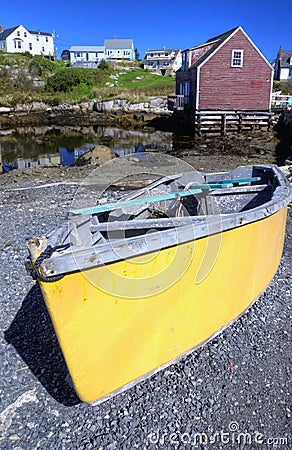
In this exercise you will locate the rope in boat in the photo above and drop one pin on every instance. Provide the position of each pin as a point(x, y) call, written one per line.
point(186, 188)
point(47, 253)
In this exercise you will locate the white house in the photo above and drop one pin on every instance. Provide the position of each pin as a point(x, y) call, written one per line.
point(20, 40)
point(164, 61)
point(86, 55)
point(119, 49)
point(283, 65)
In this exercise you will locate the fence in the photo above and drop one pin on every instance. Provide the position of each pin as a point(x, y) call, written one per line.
point(280, 100)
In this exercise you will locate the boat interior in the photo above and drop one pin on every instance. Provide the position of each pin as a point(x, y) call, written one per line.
point(173, 201)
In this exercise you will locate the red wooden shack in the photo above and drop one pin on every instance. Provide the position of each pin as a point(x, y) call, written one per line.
point(228, 72)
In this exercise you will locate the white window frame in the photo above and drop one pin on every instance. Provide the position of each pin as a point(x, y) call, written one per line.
point(237, 56)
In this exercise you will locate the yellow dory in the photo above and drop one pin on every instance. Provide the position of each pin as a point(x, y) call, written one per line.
point(133, 285)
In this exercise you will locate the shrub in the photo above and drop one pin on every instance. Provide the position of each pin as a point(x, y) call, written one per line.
point(103, 65)
point(21, 81)
point(45, 63)
point(35, 68)
point(64, 81)
point(27, 55)
point(54, 101)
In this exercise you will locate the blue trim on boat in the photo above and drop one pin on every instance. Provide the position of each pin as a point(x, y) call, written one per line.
point(199, 188)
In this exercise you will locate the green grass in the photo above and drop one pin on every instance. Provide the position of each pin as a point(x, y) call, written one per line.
point(63, 84)
point(142, 79)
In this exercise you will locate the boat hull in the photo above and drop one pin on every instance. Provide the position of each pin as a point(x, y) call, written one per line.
point(120, 322)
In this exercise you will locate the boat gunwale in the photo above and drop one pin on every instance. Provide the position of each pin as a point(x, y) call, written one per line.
point(77, 258)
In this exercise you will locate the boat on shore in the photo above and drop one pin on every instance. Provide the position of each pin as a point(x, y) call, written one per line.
point(135, 284)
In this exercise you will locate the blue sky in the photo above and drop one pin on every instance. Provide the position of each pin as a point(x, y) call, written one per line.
point(154, 24)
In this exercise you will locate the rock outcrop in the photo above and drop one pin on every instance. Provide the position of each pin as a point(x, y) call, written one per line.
point(100, 154)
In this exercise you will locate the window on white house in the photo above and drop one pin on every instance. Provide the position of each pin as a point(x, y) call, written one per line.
point(43, 49)
point(17, 43)
point(30, 46)
point(37, 38)
point(47, 39)
point(18, 33)
point(25, 34)
point(237, 58)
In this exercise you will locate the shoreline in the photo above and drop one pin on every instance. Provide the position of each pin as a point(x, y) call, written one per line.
point(115, 112)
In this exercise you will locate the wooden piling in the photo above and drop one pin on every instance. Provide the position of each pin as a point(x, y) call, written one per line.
point(224, 122)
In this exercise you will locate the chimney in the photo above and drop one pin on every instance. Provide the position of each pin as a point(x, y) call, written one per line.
point(1, 28)
point(280, 54)
point(116, 37)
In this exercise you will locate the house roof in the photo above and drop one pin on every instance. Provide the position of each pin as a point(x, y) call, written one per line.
point(42, 33)
point(223, 36)
point(286, 58)
point(87, 48)
point(214, 43)
point(6, 33)
point(118, 43)
point(163, 50)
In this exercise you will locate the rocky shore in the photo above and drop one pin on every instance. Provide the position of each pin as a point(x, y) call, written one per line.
point(118, 112)
point(233, 393)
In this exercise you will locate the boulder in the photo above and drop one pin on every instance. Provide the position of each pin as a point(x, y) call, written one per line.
point(4, 110)
point(99, 155)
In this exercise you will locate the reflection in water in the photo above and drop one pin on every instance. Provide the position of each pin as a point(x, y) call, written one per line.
point(25, 147)
point(29, 146)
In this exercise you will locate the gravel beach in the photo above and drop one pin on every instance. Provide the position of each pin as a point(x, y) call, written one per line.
point(233, 393)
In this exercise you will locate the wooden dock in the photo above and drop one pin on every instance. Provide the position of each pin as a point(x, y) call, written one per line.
point(224, 122)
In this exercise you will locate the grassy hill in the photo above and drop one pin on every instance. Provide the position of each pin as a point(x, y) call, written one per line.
point(27, 78)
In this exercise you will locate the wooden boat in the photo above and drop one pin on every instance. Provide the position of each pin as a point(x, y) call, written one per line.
point(133, 285)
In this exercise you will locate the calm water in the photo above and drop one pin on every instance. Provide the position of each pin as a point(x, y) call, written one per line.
point(24, 147)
